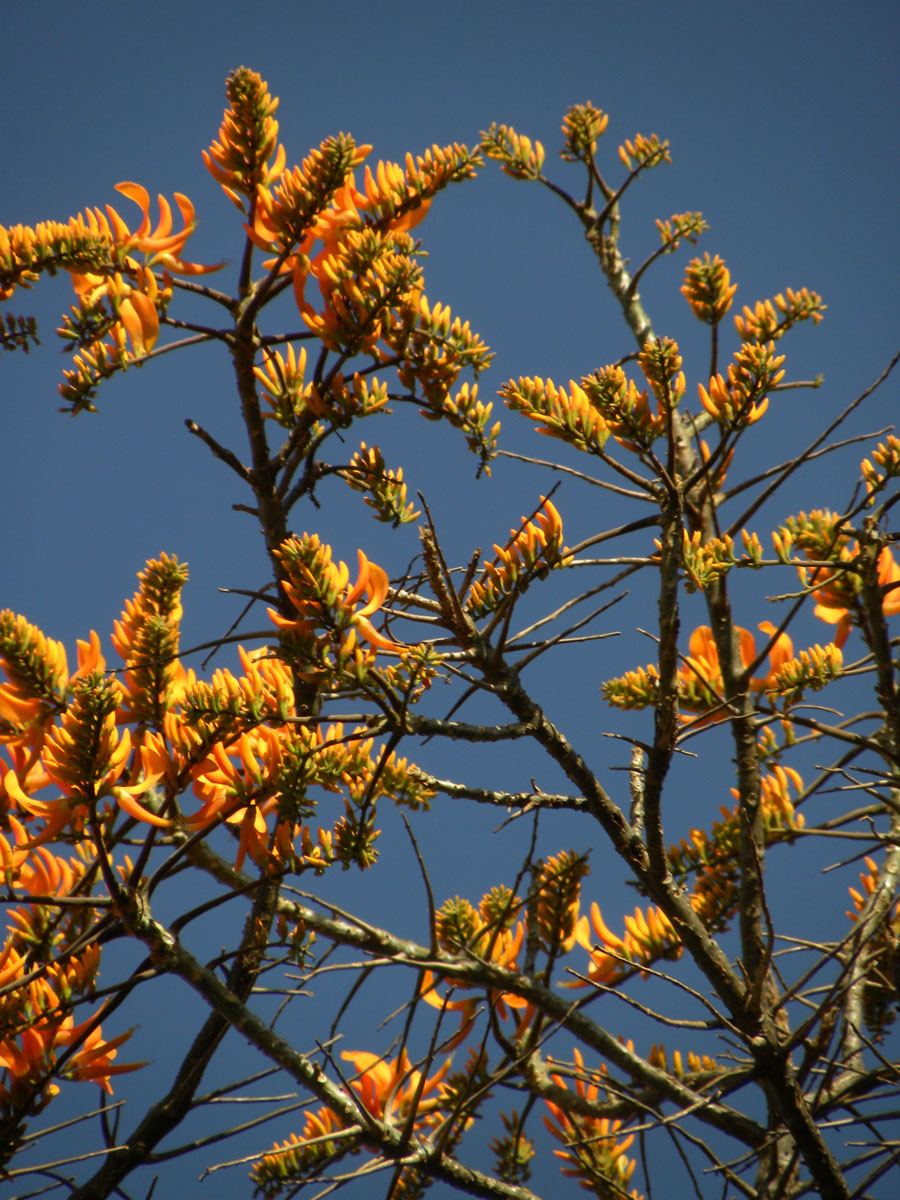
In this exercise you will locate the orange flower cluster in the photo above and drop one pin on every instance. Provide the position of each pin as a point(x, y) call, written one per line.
point(390, 1091)
point(531, 552)
point(714, 855)
point(696, 1064)
point(489, 932)
point(146, 637)
point(117, 295)
point(324, 634)
point(594, 1147)
point(870, 883)
point(648, 936)
point(365, 266)
point(763, 323)
point(558, 887)
point(247, 139)
point(700, 685)
point(742, 398)
point(886, 466)
point(836, 590)
point(626, 409)
point(40, 981)
point(708, 288)
point(582, 126)
point(569, 416)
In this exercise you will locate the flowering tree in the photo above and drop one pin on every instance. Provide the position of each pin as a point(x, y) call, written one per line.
point(777, 1077)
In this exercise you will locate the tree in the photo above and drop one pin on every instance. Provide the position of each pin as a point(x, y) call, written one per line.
point(122, 782)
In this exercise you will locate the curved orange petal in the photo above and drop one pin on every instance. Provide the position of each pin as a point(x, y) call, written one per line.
point(141, 197)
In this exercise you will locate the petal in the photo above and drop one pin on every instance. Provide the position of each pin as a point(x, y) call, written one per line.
point(141, 197)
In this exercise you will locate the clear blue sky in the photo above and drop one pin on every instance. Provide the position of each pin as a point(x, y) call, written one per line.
point(782, 119)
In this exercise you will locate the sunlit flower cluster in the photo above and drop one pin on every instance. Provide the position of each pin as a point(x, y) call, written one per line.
point(644, 152)
point(117, 295)
point(769, 319)
point(328, 619)
point(648, 936)
point(595, 1147)
point(535, 548)
point(696, 1065)
point(883, 465)
point(519, 156)
point(713, 856)
point(489, 932)
point(582, 126)
point(837, 587)
point(742, 398)
point(708, 288)
point(389, 1090)
point(384, 488)
point(567, 415)
point(700, 685)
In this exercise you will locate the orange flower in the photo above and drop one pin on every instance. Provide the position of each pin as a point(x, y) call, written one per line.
point(595, 1155)
point(835, 598)
point(700, 685)
point(246, 797)
point(326, 585)
point(389, 1089)
point(648, 935)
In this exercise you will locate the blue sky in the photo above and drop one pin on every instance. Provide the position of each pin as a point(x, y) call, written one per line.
point(783, 130)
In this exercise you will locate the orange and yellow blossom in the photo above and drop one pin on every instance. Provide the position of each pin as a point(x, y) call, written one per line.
point(242, 795)
point(592, 1148)
point(93, 235)
point(160, 245)
point(388, 1090)
point(85, 757)
point(313, 592)
point(13, 857)
point(700, 684)
point(37, 671)
point(30, 1059)
point(648, 935)
point(491, 943)
point(835, 599)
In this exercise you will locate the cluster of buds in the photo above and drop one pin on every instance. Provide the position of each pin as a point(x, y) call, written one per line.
point(582, 126)
point(643, 152)
point(837, 587)
point(557, 887)
point(706, 562)
point(648, 936)
point(531, 552)
point(742, 398)
point(435, 346)
point(567, 415)
point(697, 1064)
point(712, 856)
point(392, 1091)
point(769, 319)
point(689, 225)
point(625, 409)
point(519, 157)
point(884, 465)
point(707, 286)
point(385, 490)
